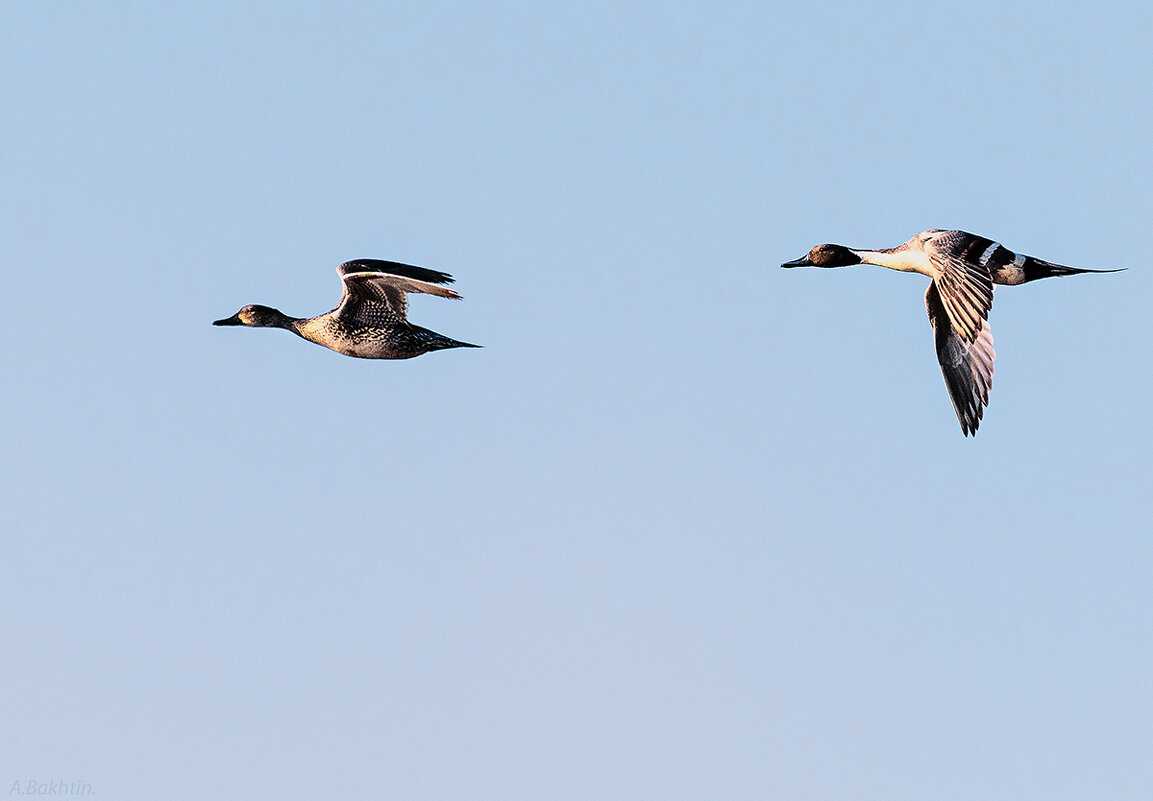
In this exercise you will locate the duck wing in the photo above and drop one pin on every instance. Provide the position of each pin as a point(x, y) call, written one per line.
point(396, 269)
point(966, 361)
point(375, 291)
point(964, 281)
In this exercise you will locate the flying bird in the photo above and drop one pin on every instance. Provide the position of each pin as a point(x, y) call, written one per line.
point(963, 268)
point(371, 319)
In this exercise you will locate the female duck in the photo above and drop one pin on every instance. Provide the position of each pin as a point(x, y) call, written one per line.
point(371, 320)
point(963, 268)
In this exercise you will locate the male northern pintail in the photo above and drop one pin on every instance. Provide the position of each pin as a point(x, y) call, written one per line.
point(963, 268)
point(370, 322)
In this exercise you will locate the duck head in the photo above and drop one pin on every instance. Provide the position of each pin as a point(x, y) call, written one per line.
point(257, 317)
point(826, 256)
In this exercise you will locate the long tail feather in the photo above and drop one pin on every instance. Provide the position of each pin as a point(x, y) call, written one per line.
point(1039, 268)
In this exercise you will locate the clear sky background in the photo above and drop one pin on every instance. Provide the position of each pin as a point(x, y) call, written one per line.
point(690, 526)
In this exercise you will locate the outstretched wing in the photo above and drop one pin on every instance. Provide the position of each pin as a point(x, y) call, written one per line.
point(964, 281)
point(966, 362)
point(375, 291)
point(394, 268)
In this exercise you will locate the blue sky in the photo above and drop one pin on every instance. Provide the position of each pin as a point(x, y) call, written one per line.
point(690, 525)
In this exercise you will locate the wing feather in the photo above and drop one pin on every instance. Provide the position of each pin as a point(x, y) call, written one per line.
point(376, 292)
point(394, 268)
point(965, 286)
point(966, 364)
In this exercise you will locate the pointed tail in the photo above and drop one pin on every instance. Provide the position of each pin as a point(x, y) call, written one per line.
point(1039, 268)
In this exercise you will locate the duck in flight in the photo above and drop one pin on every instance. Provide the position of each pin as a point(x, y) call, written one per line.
point(371, 320)
point(963, 268)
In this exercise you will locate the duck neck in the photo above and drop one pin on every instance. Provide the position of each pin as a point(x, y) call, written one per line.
point(906, 261)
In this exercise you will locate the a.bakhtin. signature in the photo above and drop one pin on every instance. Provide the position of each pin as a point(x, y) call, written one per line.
point(56, 787)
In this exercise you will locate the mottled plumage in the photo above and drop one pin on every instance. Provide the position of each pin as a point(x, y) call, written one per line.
point(963, 268)
point(371, 321)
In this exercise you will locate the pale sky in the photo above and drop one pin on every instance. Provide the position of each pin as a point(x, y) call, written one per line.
point(689, 526)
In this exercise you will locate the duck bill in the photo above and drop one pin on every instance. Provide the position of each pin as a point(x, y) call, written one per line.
point(801, 262)
point(233, 320)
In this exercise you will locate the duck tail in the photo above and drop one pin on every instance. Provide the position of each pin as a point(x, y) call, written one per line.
point(452, 343)
point(441, 342)
point(1039, 268)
